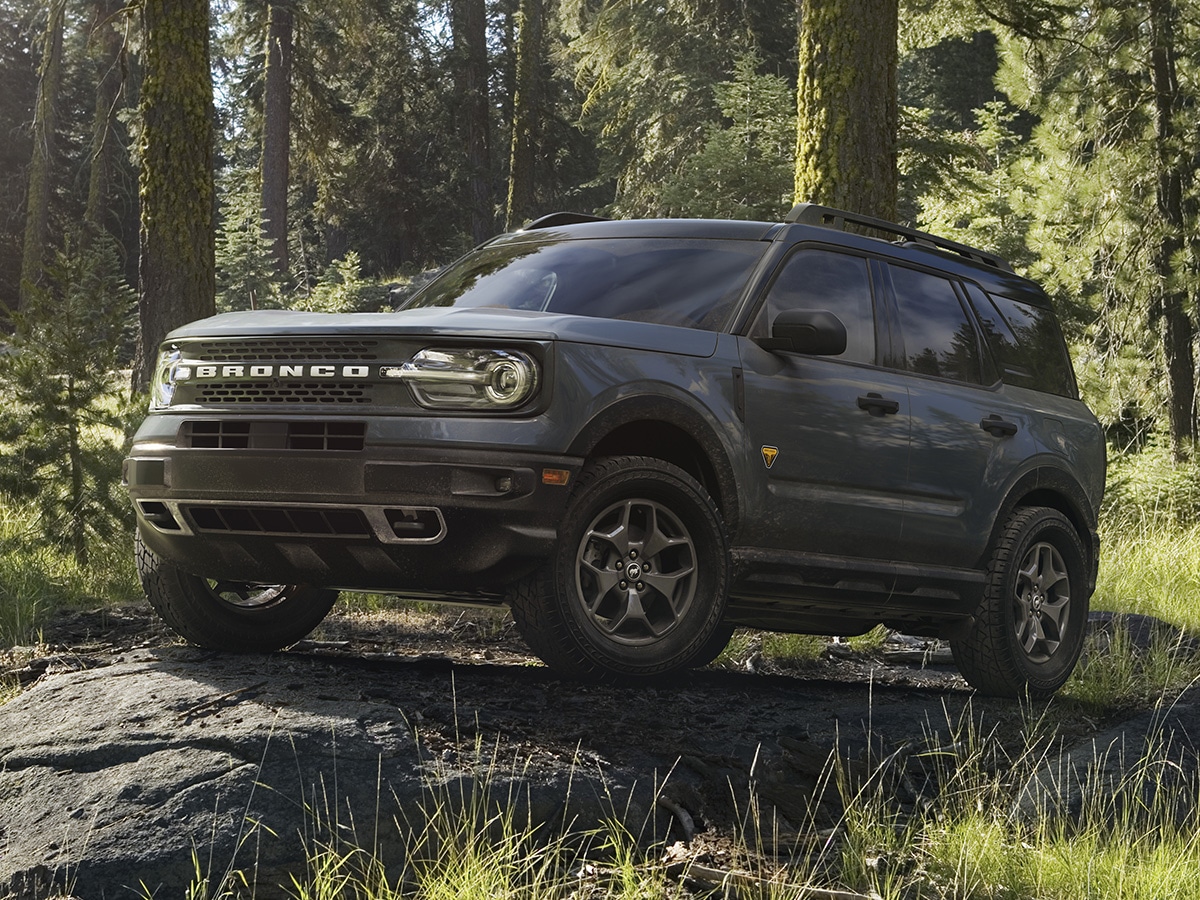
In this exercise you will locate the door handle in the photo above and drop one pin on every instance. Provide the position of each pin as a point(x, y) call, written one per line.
point(876, 405)
point(998, 427)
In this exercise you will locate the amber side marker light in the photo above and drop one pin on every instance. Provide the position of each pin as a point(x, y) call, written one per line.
point(555, 476)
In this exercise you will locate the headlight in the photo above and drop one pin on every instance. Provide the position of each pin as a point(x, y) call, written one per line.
point(162, 386)
point(469, 379)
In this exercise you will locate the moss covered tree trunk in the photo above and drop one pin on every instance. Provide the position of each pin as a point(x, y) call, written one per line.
point(37, 207)
point(526, 115)
point(847, 106)
point(176, 269)
point(277, 130)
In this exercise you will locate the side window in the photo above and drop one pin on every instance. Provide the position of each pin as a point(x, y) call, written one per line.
point(821, 279)
point(939, 338)
point(1026, 341)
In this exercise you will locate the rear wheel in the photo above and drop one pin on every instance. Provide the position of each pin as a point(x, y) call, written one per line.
point(1029, 629)
point(225, 615)
point(637, 583)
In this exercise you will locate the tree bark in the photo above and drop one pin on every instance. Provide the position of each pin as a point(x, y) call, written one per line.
point(526, 115)
point(177, 264)
point(108, 44)
point(277, 130)
point(470, 40)
point(847, 113)
point(37, 207)
point(1178, 329)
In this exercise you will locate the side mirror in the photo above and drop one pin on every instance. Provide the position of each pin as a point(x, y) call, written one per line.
point(816, 332)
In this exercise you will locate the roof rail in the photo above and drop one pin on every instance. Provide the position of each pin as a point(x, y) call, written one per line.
point(827, 217)
point(553, 220)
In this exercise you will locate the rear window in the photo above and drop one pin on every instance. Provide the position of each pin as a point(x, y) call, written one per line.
point(1026, 342)
point(692, 283)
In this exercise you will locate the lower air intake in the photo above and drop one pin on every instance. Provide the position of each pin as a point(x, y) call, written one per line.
point(283, 520)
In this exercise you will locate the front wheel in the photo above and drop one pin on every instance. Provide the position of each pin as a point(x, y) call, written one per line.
point(1029, 629)
point(638, 580)
point(233, 616)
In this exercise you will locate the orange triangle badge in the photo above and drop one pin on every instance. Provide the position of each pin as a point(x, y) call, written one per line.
point(769, 454)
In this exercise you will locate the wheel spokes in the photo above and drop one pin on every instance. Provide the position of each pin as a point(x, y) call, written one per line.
point(246, 595)
point(1042, 603)
point(636, 571)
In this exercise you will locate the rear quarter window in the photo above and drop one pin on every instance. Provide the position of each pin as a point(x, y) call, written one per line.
point(1026, 342)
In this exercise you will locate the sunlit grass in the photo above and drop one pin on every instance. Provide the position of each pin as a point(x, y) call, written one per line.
point(37, 580)
point(467, 841)
point(1150, 566)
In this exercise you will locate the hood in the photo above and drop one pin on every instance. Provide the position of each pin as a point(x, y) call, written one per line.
point(489, 324)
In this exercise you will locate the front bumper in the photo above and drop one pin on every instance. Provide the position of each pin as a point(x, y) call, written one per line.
point(416, 520)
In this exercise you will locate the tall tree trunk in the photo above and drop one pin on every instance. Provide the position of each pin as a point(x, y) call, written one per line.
point(470, 40)
point(526, 115)
point(847, 105)
point(177, 264)
point(277, 129)
point(1178, 328)
point(37, 208)
point(108, 43)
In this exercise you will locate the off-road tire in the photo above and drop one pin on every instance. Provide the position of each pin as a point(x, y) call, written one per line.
point(673, 620)
point(272, 617)
point(1002, 654)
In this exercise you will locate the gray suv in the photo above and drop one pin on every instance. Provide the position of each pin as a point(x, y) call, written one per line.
point(639, 435)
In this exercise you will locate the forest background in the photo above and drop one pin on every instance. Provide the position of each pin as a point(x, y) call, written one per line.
point(360, 143)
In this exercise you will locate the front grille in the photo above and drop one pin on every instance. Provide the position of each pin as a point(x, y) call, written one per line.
point(226, 392)
point(287, 349)
point(236, 434)
point(285, 520)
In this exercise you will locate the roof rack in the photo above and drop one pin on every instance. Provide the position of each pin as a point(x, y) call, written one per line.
point(554, 220)
point(827, 217)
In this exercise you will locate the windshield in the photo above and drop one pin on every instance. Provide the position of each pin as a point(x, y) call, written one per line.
point(692, 283)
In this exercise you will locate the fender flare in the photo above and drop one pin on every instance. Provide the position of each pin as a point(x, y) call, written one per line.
point(683, 416)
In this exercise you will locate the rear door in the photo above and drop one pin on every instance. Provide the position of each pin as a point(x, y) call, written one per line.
point(828, 437)
point(968, 435)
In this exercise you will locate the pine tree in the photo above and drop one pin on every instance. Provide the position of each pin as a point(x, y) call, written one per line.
point(37, 215)
point(246, 266)
point(527, 114)
point(62, 393)
point(744, 170)
point(277, 129)
point(1112, 201)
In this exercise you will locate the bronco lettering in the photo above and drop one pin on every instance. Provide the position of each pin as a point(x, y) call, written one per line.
point(240, 370)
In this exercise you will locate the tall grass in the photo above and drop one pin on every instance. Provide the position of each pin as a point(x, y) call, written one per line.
point(1150, 565)
point(958, 838)
point(1150, 537)
point(37, 579)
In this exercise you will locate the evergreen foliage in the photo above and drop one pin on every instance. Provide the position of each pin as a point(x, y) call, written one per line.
point(63, 404)
point(648, 72)
point(246, 267)
point(743, 170)
point(1039, 130)
point(341, 289)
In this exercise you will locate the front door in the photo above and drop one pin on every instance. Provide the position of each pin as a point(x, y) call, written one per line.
point(827, 436)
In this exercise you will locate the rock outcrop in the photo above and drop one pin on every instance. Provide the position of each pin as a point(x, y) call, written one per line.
point(139, 777)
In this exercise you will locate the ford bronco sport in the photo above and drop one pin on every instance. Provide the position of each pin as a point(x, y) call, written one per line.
point(639, 435)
